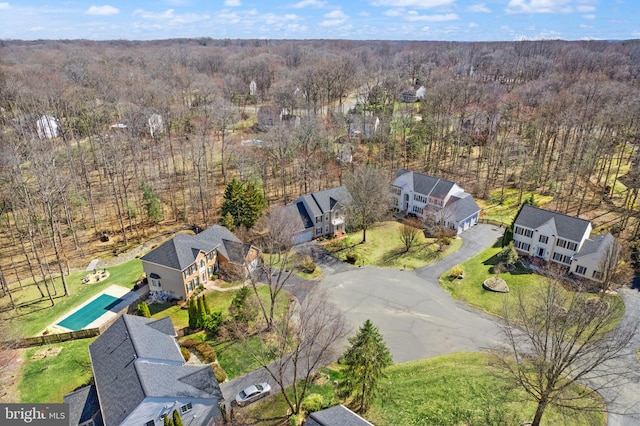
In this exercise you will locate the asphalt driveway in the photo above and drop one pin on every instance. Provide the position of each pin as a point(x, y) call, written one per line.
point(417, 318)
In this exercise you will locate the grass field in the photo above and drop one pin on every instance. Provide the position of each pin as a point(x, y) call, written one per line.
point(505, 211)
point(457, 389)
point(385, 248)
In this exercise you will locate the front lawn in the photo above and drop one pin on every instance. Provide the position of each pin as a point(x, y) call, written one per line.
point(477, 269)
point(385, 248)
point(457, 389)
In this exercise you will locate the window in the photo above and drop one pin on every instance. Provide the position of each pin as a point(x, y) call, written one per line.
point(150, 423)
point(196, 282)
point(528, 233)
point(318, 231)
point(186, 408)
point(572, 246)
point(202, 263)
point(155, 283)
point(543, 239)
point(581, 270)
point(561, 258)
point(326, 218)
point(522, 246)
point(597, 275)
point(318, 219)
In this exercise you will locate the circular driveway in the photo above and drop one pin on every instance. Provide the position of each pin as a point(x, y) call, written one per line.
point(416, 317)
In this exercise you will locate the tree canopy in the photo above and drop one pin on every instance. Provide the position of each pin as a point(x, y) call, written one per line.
point(243, 202)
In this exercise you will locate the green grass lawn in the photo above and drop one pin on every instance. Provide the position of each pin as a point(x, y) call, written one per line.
point(385, 248)
point(49, 379)
point(506, 211)
point(35, 313)
point(457, 389)
point(294, 263)
point(477, 269)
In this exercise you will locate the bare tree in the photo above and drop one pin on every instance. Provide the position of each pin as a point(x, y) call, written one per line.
point(555, 339)
point(409, 232)
point(614, 267)
point(303, 340)
point(276, 233)
point(371, 200)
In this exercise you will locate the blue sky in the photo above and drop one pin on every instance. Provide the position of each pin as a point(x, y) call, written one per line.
point(461, 20)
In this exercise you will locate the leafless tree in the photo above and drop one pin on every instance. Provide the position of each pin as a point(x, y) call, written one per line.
point(555, 339)
point(371, 200)
point(614, 267)
point(303, 339)
point(409, 232)
point(275, 238)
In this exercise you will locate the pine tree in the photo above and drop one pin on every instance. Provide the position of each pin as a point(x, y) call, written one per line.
point(177, 420)
point(206, 305)
point(193, 314)
point(168, 421)
point(365, 361)
point(201, 312)
point(151, 203)
point(143, 310)
point(243, 203)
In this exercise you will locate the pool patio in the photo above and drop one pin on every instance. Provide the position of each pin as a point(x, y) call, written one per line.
point(121, 295)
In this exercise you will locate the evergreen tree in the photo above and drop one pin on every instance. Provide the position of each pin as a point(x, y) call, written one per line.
point(365, 361)
point(193, 314)
point(143, 310)
point(201, 312)
point(177, 420)
point(243, 203)
point(228, 222)
point(168, 421)
point(151, 203)
point(206, 305)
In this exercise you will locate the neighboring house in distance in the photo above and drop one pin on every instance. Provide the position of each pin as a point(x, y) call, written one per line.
point(338, 415)
point(320, 213)
point(269, 116)
point(47, 127)
point(180, 265)
point(562, 239)
point(360, 129)
point(413, 94)
point(140, 375)
point(422, 195)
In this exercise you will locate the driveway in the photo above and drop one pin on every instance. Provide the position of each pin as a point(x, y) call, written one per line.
point(417, 318)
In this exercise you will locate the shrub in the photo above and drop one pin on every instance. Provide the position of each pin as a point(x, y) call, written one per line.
point(307, 266)
point(204, 350)
point(312, 403)
point(352, 258)
point(186, 354)
point(143, 310)
point(219, 372)
point(296, 419)
point(456, 273)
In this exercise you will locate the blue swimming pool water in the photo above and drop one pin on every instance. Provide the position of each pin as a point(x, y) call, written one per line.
point(89, 313)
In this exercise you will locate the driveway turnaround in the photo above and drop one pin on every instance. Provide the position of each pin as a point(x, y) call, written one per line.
point(417, 318)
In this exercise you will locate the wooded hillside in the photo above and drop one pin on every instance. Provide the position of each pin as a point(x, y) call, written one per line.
point(95, 136)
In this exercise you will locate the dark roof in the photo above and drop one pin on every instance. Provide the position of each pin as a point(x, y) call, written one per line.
point(181, 251)
point(427, 185)
point(568, 227)
point(462, 206)
point(338, 415)
point(83, 405)
point(138, 357)
point(318, 203)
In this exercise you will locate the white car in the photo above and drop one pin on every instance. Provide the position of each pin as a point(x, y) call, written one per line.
point(253, 393)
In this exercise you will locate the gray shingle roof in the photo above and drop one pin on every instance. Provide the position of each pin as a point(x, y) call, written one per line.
point(568, 227)
point(182, 250)
point(338, 415)
point(135, 356)
point(592, 245)
point(427, 185)
point(319, 203)
point(83, 404)
point(461, 207)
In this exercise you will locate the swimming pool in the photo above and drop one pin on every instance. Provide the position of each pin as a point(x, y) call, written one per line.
point(90, 312)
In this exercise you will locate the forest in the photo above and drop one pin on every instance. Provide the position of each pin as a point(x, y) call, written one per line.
point(107, 144)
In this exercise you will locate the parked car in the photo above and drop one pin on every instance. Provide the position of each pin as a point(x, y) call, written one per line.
point(253, 393)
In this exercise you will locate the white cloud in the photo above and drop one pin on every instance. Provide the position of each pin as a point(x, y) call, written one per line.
point(478, 8)
point(4, 6)
point(169, 16)
point(232, 3)
point(539, 6)
point(473, 25)
point(309, 3)
point(415, 17)
point(589, 17)
point(394, 13)
point(586, 26)
point(416, 4)
point(334, 18)
point(585, 8)
point(105, 10)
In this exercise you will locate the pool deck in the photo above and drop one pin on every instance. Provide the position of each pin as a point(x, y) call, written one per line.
point(128, 297)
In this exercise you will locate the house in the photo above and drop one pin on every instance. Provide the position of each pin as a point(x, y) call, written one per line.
point(422, 195)
point(360, 129)
point(47, 127)
point(269, 116)
point(320, 213)
point(140, 375)
point(338, 415)
point(179, 266)
point(561, 239)
point(413, 94)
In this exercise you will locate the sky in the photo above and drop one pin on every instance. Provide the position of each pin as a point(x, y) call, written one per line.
point(449, 20)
